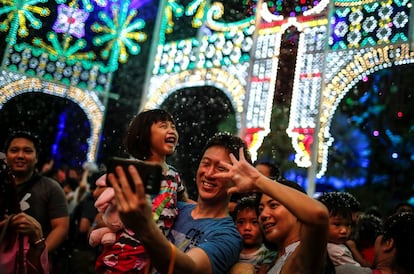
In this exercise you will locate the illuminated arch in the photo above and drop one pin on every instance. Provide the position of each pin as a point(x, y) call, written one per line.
point(163, 86)
point(12, 84)
point(361, 63)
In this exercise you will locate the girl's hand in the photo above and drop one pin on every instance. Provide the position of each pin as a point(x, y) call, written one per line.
point(241, 173)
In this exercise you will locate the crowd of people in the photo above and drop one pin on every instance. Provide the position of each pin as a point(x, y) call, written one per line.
point(246, 218)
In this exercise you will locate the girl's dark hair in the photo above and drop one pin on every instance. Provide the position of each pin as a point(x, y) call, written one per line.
point(230, 142)
point(138, 138)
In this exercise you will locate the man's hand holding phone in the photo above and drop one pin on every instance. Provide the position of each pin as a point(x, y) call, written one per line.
point(133, 203)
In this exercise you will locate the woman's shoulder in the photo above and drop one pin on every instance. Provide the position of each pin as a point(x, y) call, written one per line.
point(350, 268)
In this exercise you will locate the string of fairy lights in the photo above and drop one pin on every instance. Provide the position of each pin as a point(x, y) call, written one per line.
point(13, 84)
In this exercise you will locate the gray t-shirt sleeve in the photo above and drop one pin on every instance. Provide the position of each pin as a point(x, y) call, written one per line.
point(58, 205)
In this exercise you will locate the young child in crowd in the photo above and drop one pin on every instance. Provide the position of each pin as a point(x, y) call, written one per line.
point(366, 230)
point(340, 225)
point(393, 250)
point(151, 137)
point(254, 251)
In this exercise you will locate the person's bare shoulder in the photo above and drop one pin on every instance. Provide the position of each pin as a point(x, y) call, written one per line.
point(349, 268)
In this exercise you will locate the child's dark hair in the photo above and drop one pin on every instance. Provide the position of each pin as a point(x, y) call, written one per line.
point(354, 204)
point(403, 207)
point(23, 134)
point(337, 204)
point(138, 138)
point(231, 143)
point(367, 228)
point(247, 202)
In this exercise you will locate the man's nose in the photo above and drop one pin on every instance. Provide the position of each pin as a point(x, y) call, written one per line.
point(210, 171)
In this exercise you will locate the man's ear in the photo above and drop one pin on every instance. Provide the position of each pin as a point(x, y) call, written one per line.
point(388, 245)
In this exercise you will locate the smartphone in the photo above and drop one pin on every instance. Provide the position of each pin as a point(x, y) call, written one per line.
point(151, 174)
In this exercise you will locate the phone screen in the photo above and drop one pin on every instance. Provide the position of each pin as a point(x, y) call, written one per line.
point(151, 174)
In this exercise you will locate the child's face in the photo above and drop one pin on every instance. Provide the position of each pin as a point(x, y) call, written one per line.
point(339, 229)
point(249, 228)
point(164, 138)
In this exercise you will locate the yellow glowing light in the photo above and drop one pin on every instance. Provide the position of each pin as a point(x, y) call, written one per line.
point(163, 86)
point(12, 84)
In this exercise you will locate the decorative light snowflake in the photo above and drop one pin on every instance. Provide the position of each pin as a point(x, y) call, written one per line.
point(18, 13)
point(196, 7)
point(68, 51)
point(119, 34)
point(71, 20)
point(172, 9)
point(101, 3)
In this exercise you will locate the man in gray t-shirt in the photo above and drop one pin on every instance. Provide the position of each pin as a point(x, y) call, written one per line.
point(40, 197)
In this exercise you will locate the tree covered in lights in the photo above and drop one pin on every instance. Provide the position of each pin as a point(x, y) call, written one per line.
point(373, 149)
point(374, 140)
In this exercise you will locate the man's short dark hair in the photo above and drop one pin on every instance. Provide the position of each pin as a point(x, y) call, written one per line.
point(23, 134)
point(231, 143)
